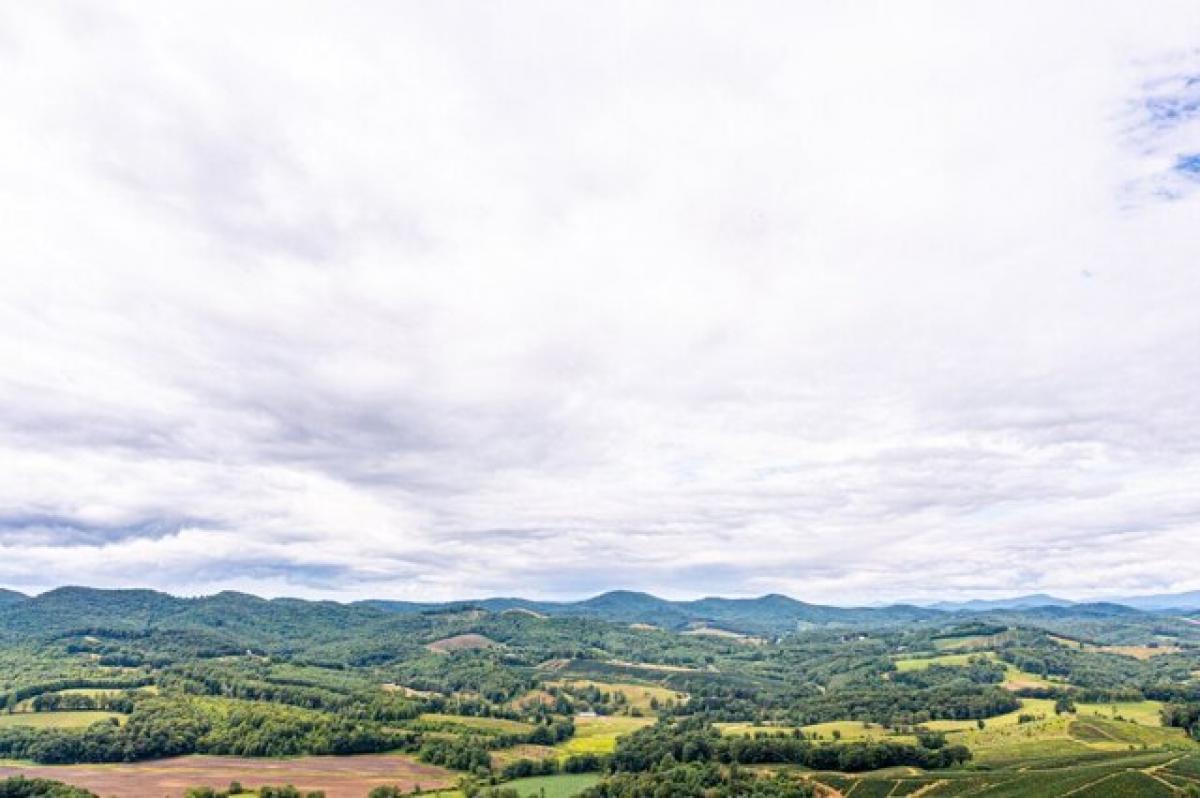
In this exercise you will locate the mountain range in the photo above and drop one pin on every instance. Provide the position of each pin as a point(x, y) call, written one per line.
point(774, 612)
point(73, 607)
point(1166, 602)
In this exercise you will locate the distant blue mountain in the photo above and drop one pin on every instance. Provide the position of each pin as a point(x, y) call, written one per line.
point(1183, 602)
point(1015, 603)
point(770, 614)
point(11, 596)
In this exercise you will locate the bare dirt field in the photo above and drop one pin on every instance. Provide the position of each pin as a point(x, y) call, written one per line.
point(338, 776)
point(460, 643)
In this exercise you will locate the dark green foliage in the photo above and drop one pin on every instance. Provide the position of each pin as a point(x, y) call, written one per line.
point(236, 674)
point(698, 780)
point(266, 791)
point(21, 787)
point(160, 727)
point(1183, 716)
point(696, 741)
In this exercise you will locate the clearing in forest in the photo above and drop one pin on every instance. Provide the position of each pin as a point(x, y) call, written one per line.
point(497, 725)
point(58, 720)
point(638, 696)
point(598, 735)
point(460, 643)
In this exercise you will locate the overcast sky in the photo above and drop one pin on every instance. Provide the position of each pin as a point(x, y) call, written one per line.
point(850, 301)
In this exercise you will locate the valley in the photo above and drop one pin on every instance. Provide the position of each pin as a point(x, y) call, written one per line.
point(140, 694)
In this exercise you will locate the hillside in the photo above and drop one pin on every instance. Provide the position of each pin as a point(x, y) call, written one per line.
point(10, 596)
point(507, 688)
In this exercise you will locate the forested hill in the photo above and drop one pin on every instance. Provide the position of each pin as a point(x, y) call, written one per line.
point(764, 615)
point(9, 596)
point(71, 609)
point(270, 623)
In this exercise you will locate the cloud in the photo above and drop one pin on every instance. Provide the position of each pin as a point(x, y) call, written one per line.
point(849, 302)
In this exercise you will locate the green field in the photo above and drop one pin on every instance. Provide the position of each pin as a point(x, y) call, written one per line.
point(752, 729)
point(921, 663)
point(1014, 678)
point(1148, 713)
point(502, 725)
point(962, 642)
point(1116, 776)
point(639, 696)
point(849, 730)
point(1029, 706)
point(599, 735)
point(566, 785)
point(57, 720)
point(834, 730)
point(1066, 738)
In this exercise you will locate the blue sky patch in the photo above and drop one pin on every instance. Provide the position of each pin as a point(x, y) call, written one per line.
point(1188, 165)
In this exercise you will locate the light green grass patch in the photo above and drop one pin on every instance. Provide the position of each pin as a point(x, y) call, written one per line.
point(1014, 677)
point(853, 730)
point(1147, 713)
point(966, 641)
point(741, 729)
point(564, 785)
point(57, 720)
point(921, 663)
point(599, 735)
point(639, 696)
point(1038, 707)
point(502, 725)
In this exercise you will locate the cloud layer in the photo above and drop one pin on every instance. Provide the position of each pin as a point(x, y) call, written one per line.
point(853, 302)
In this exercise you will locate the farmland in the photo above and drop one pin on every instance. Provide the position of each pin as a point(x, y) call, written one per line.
point(598, 735)
point(157, 696)
point(58, 720)
point(338, 777)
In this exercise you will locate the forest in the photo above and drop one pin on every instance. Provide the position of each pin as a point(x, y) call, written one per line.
point(479, 701)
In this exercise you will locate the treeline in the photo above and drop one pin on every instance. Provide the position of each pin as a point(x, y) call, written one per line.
point(161, 727)
point(21, 787)
point(1097, 670)
point(1183, 716)
point(899, 705)
point(122, 702)
point(15, 696)
point(472, 752)
point(696, 780)
point(978, 670)
point(697, 741)
point(265, 791)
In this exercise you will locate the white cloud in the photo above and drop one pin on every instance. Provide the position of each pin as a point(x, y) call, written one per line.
point(852, 302)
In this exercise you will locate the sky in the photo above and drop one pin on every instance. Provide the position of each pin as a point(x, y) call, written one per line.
point(855, 302)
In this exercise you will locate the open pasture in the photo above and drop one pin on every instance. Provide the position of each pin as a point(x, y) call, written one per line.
point(563, 785)
point(505, 756)
point(851, 730)
point(467, 642)
point(57, 720)
point(494, 725)
point(831, 731)
point(599, 735)
point(1058, 739)
point(1140, 652)
point(921, 663)
point(1014, 677)
point(1148, 713)
point(639, 696)
point(968, 642)
point(734, 728)
point(1114, 775)
point(1038, 707)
